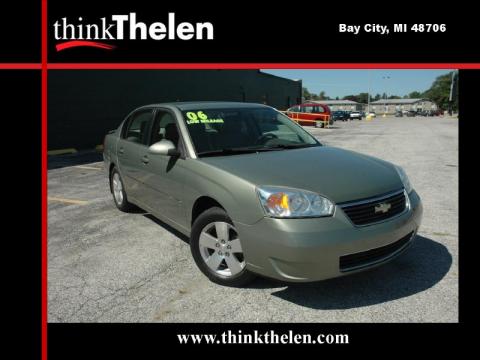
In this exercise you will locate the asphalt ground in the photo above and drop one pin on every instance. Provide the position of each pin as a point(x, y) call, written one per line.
point(108, 266)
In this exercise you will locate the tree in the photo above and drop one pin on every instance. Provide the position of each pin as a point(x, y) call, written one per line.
point(439, 92)
point(415, 95)
point(323, 96)
point(351, 98)
point(306, 94)
point(377, 97)
point(362, 98)
point(394, 97)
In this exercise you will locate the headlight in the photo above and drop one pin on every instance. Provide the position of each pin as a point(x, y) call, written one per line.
point(290, 203)
point(405, 180)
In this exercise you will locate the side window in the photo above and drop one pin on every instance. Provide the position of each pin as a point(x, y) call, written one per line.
point(308, 109)
point(138, 126)
point(164, 127)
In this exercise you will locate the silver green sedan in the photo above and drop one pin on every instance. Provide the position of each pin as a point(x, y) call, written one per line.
point(257, 194)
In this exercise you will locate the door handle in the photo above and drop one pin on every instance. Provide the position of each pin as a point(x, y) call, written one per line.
point(145, 159)
point(121, 151)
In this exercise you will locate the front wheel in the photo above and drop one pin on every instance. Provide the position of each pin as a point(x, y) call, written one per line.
point(217, 249)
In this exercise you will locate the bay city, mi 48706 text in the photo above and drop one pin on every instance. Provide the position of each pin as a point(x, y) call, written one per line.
point(396, 28)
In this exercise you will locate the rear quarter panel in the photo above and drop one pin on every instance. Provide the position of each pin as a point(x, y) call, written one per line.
point(110, 149)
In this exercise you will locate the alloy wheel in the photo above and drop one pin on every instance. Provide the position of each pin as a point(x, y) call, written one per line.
point(117, 188)
point(221, 249)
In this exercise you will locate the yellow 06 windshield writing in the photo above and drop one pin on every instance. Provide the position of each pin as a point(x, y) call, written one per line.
point(199, 117)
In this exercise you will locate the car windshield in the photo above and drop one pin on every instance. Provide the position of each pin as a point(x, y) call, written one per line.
point(242, 130)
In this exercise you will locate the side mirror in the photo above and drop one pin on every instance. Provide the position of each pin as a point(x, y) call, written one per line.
point(164, 147)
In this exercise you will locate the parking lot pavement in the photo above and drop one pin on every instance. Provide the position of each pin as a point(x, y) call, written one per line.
point(108, 266)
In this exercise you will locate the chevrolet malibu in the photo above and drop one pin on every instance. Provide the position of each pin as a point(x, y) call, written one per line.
point(257, 194)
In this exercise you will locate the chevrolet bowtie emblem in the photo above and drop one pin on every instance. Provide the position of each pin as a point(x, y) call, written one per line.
point(382, 207)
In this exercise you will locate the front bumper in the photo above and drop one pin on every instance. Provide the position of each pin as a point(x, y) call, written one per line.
point(304, 250)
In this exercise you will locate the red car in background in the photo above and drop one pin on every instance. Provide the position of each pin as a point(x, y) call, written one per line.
point(310, 114)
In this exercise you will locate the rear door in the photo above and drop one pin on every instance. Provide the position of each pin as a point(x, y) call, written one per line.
point(131, 150)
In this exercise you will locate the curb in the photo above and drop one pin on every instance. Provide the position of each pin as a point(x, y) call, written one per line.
point(62, 151)
point(67, 151)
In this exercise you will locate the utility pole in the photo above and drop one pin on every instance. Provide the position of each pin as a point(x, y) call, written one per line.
point(369, 89)
point(450, 98)
point(386, 89)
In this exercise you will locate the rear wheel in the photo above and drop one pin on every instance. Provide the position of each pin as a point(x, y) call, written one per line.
point(217, 250)
point(118, 191)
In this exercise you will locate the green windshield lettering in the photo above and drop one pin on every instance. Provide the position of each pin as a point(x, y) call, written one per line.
point(200, 117)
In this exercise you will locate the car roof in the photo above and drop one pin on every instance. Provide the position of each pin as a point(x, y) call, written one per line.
point(195, 105)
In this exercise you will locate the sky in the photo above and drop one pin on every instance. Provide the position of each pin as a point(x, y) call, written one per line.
point(351, 82)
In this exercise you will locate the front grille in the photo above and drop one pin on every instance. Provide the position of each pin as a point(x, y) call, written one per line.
point(370, 257)
point(369, 211)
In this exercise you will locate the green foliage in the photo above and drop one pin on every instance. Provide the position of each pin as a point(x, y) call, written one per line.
point(439, 92)
point(415, 95)
point(323, 96)
point(363, 98)
point(308, 95)
point(305, 93)
point(351, 97)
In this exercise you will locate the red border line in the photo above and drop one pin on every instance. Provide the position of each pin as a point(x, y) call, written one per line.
point(186, 66)
point(44, 181)
point(20, 66)
point(123, 66)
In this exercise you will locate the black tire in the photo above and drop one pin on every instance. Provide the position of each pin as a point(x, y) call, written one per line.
point(215, 214)
point(122, 205)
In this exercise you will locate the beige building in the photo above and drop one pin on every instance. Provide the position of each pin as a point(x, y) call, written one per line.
point(390, 106)
point(347, 105)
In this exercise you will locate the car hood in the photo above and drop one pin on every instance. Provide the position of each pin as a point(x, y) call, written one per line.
point(337, 174)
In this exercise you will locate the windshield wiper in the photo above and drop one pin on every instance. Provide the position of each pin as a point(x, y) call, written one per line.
point(253, 149)
point(233, 151)
point(290, 146)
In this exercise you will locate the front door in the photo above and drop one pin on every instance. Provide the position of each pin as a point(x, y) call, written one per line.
point(166, 174)
point(307, 116)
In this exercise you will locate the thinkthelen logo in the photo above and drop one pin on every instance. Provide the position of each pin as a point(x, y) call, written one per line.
point(121, 27)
